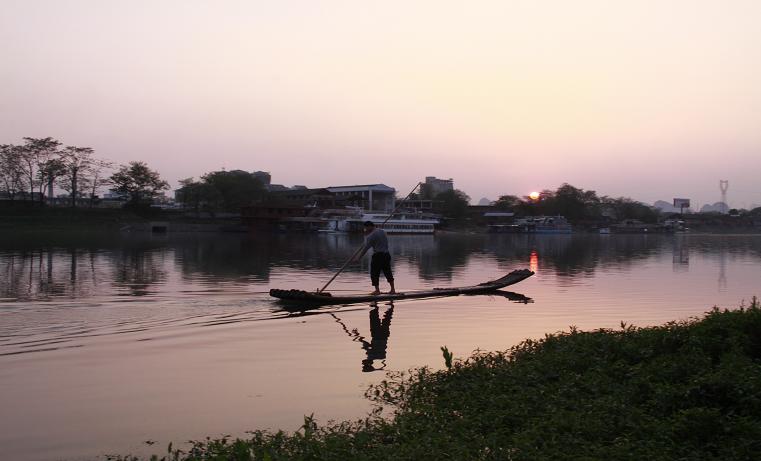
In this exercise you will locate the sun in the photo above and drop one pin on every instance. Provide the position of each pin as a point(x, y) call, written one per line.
point(534, 196)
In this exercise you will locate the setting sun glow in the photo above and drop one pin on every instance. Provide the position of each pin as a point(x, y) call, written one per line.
point(534, 195)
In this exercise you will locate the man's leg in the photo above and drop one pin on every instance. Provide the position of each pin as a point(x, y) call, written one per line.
point(375, 270)
point(387, 272)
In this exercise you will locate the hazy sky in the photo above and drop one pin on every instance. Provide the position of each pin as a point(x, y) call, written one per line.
point(646, 99)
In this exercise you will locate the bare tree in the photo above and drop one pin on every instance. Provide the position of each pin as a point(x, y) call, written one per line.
point(98, 178)
point(11, 172)
point(77, 163)
point(35, 157)
point(48, 173)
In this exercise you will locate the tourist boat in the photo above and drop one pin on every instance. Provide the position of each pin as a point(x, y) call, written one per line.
point(326, 298)
point(401, 223)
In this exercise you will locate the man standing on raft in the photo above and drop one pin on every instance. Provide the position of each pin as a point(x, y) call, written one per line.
point(381, 259)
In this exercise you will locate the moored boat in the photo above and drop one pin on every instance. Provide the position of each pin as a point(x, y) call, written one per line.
point(535, 225)
point(400, 223)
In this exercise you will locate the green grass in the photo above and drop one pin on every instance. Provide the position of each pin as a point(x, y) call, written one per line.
point(686, 390)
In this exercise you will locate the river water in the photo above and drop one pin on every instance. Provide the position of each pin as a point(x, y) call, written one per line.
point(111, 341)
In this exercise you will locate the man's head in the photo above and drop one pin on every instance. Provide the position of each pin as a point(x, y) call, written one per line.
point(369, 227)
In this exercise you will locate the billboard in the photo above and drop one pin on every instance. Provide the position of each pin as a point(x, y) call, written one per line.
point(681, 203)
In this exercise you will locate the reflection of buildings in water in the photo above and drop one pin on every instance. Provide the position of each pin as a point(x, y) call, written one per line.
point(380, 330)
point(681, 254)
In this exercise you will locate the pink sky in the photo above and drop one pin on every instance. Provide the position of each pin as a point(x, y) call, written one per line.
point(646, 99)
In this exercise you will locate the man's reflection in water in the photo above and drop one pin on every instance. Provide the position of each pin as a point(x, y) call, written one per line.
point(380, 330)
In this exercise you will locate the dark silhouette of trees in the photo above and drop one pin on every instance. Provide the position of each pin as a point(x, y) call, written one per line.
point(577, 205)
point(234, 189)
point(40, 162)
point(97, 177)
point(11, 171)
point(453, 203)
point(507, 202)
point(35, 162)
point(77, 162)
point(626, 208)
point(221, 191)
point(197, 195)
point(139, 182)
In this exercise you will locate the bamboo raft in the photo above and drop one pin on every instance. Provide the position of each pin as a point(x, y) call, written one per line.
point(325, 298)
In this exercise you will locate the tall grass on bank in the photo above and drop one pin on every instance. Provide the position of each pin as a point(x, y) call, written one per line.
point(686, 390)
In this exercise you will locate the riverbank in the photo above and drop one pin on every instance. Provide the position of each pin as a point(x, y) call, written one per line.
point(35, 219)
point(684, 390)
point(43, 219)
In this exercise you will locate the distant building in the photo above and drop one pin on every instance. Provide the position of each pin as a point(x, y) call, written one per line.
point(435, 186)
point(303, 196)
point(422, 205)
point(371, 197)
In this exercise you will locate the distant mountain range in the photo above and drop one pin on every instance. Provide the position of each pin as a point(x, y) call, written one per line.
point(667, 207)
point(718, 207)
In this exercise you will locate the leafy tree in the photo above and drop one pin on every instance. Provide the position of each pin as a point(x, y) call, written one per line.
point(626, 208)
point(507, 202)
point(230, 190)
point(454, 203)
point(139, 182)
point(542, 205)
point(197, 195)
point(577, 204)
point(574, 203)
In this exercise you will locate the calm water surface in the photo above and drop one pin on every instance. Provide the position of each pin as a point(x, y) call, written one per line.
point(108, 341)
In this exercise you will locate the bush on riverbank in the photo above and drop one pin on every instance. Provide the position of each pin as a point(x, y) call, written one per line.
point(685, 390)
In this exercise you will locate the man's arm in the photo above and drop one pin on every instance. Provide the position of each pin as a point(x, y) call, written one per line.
point(365, 247)
point(368, 243)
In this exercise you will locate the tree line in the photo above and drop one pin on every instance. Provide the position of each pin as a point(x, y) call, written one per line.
point(578, 205)
point(221, 191)
point(30, 169)
point(27, 170)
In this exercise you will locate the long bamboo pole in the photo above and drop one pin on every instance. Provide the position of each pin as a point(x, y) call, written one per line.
point(363, 246)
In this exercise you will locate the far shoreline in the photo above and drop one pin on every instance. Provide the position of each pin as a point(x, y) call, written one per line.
point(108, 220)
